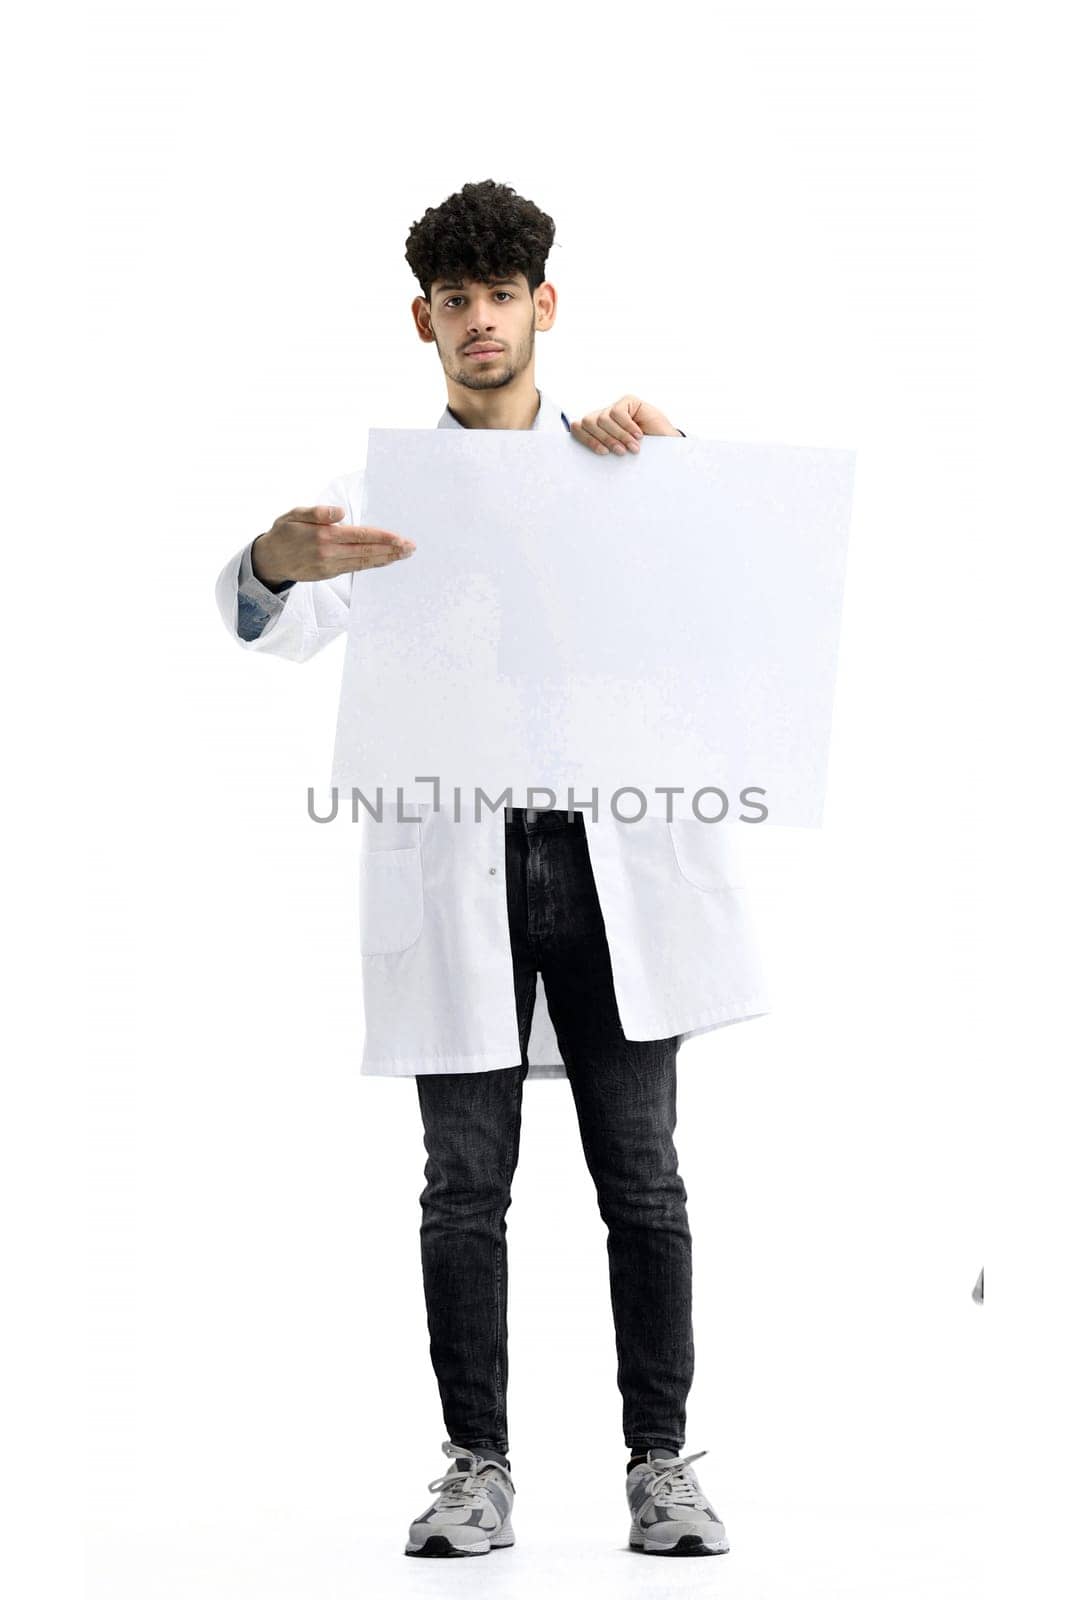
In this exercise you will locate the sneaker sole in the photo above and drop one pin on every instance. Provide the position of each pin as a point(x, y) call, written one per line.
point(440, 1545)
point(687, 1544)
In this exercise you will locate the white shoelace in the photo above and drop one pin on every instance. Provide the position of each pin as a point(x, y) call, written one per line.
point(671, 1480)
point(462, 1488)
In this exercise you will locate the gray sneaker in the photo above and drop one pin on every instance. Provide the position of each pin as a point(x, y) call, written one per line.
point(669, 1515)
point(472, 1512)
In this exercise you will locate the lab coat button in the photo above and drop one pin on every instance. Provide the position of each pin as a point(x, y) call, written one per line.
point(492, 869)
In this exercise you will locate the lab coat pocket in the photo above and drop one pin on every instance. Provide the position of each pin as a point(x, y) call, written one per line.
point(390, 900)
point(703, 853)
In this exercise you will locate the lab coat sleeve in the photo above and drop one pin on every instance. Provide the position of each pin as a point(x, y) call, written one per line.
point(256, 604)
point(301, 618)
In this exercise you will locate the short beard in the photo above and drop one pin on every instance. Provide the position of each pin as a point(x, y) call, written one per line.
point(474, 378)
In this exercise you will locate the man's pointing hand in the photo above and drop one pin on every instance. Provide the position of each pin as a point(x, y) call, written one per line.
point(310, 543)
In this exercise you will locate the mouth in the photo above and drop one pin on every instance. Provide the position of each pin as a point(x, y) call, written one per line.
point(482, 355)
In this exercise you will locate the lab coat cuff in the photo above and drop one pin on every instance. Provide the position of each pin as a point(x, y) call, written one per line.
point(250, 585)
point(257, 606)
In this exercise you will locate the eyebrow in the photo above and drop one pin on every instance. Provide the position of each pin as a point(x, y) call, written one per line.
point(442, 288)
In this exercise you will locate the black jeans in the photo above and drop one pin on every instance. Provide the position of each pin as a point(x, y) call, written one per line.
point(624, 1094)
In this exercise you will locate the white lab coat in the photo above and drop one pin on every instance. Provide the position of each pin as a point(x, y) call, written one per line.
point(438, 986)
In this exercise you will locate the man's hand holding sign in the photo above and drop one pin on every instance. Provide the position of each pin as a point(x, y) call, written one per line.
point(620, 427)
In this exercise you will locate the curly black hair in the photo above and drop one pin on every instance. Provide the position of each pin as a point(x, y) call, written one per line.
point(484, 231)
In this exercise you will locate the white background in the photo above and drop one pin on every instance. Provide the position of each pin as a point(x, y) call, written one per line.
point(824, 224)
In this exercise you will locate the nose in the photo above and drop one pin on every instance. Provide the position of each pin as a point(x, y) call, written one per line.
point(480, 317)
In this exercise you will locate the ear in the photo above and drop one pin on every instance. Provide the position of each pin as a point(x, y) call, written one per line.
point(545, 305)
point(420, 310)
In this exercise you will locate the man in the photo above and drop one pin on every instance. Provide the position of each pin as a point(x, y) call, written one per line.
point(637, 933)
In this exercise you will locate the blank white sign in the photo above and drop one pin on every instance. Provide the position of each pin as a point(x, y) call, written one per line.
point(608, 623)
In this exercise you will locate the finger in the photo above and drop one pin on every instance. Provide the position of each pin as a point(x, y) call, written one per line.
point(584, 436)
point(313, 514)
point(617, 427)
point(609, 432)
point(366, 555)
point(359, 534)
point(620, 415)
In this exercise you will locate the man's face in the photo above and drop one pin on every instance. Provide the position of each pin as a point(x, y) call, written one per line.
point(460, 316)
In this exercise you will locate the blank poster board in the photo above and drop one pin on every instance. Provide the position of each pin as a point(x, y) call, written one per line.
point(614, 623)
